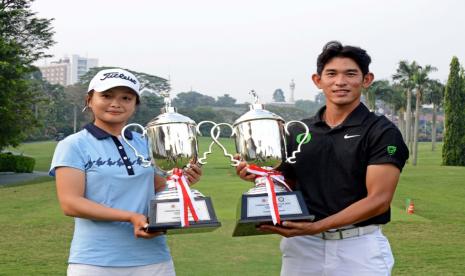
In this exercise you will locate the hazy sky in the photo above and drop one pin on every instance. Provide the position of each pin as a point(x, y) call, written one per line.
point(218, 47)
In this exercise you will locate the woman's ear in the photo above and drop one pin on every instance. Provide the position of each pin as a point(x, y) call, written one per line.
point(89, 98)
point(87, 103)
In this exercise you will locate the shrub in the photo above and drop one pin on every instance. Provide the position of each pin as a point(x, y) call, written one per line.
point(16, 163)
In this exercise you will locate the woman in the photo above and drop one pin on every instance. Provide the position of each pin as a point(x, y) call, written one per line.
point(102, 184)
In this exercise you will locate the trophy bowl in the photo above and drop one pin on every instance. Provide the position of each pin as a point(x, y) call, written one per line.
point(173, 146)
point(260, 139)
point(173, 141)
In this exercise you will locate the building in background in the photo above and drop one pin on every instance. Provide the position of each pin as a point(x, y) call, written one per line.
point(56, 73)
point(291, 91)
point(290, 102)
point(67, 71)
point(80, 66)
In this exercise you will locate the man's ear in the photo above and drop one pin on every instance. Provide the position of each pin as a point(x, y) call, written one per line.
point(368, 79)
point(316, 80)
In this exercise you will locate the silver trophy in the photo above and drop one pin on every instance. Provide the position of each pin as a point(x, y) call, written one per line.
point(260, 138)
point(173, 146)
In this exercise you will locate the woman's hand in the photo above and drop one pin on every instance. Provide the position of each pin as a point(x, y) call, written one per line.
point(193, 173)
point(140, 224)
point(70, 184)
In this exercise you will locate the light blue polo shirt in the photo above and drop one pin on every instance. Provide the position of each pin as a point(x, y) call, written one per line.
point(114, 178)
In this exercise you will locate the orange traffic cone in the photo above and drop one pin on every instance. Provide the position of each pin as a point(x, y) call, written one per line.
point(411, 208)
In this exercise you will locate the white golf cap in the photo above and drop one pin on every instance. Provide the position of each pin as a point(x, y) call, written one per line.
point(110, 78)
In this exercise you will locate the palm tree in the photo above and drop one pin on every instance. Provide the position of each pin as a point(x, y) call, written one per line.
point(376, 89)
point(404, 76)
point(434, 94)
point(393, 95)
point(398, 100)
point(421, 81)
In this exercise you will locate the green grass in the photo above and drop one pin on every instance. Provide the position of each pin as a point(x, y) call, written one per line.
point(41, 151)
point(35, 235)
point(436, 246)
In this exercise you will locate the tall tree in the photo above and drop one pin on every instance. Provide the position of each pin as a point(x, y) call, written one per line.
point(288, 113)
point(206, 113)
point(404, 75)
point(397, 99)
point(53, 109)
point(20, 25)
point(394, 97)
point(278, 96)
point(376, 89)
point(23, 40)
point(75, 95)
point(453, 152)
point(15, 102)
point(420, 81)
point(149, 108)
point(225, 100)
point(309, 107)
point(434, 94)
point(192, 100)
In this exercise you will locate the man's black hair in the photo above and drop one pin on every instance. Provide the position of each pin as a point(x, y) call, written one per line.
point(334, 49)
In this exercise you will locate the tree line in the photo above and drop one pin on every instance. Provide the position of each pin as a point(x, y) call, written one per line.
point(409, 91)
point(33, 109)
point(57, 109)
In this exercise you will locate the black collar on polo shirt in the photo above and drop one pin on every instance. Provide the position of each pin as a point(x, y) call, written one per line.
point(102, 134)
point(355, 118)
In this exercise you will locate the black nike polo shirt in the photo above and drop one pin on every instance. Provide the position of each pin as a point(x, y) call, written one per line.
point(330, 171)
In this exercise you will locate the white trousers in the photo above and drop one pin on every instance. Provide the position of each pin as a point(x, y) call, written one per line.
point(369, 255)
point(161, 269)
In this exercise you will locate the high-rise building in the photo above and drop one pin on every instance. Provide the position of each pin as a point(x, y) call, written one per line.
point(80, 66)
point(56, 73)
point(67, 71)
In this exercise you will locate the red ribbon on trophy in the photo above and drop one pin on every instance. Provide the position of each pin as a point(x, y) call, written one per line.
point(269, 174)
point(186, 200)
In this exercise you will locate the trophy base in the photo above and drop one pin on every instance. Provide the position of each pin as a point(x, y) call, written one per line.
point(253, 211)
point(164, 215)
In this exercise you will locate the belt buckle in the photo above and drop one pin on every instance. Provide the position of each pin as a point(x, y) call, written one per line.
point(337, 234)
point(331, 235)
point(348, 232)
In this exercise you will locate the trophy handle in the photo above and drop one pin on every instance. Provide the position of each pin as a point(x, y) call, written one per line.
point(201, 160)
point(145, 162)
point(214, 136)
point(291, 159)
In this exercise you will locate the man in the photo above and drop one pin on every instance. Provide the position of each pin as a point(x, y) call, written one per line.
point(347, 172)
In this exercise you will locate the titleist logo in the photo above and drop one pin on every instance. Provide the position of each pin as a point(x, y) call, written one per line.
point(110, 75)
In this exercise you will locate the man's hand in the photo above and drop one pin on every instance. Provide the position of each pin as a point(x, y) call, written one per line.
point(292, 229)
point(241, 171)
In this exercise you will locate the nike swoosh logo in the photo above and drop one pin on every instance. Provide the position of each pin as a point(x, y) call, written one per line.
point(350, 136)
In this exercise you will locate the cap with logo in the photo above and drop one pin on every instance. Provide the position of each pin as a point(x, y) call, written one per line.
point(109, 78)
